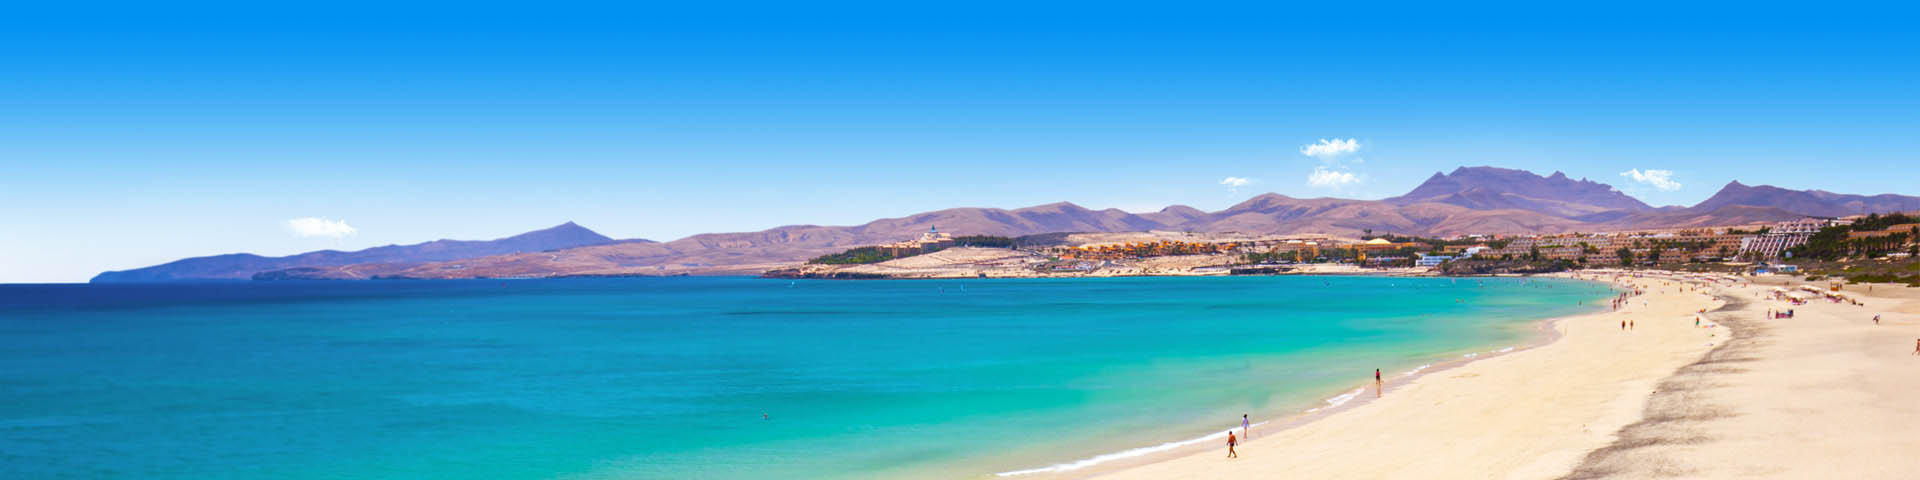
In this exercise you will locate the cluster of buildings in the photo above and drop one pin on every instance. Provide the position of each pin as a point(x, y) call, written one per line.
point(1783, 235)
point(1116, 251)
point(1756, 243)
point(1751, 243)
point(1323, 247)
point(1303, 249)
point(930, 241)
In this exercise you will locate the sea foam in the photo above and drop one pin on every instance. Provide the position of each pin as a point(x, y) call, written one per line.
point(1121, 455)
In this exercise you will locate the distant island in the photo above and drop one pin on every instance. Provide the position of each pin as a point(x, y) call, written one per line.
point(1521, 219)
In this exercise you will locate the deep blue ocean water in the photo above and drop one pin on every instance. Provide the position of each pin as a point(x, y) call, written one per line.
point(697, 377)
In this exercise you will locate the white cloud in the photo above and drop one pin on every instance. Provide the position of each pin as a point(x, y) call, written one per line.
point(1325, 148)
point(1659, 179)
point(1322, 177)
point(1234, 183)
point(320, 227)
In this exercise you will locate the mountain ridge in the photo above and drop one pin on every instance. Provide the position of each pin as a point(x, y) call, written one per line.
point(1486, 188)
point(1819, 203)
point(242, 266)
point(1488, 200)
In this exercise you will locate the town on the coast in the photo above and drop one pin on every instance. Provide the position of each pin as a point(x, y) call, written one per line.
point(1751, 248)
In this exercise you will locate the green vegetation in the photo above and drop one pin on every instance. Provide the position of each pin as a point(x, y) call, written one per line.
point(863, 255)
point(1626, 256)
point(1340, 255)
point(855, 256)
point(1910, 280)
point(1438, 243)
point(1875, 221)
point(1681, 244)
point(1492, 267)
point(988, 241)
point(1832, 242)
point(1275, 257)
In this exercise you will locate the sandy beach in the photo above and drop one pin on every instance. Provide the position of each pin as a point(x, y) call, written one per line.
point(1825, 394)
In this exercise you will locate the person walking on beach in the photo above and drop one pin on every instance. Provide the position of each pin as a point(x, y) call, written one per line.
point(1629, 324)
point(1231, 442)
point(1876, 319)
point(1246, 427)
point(1623, 325)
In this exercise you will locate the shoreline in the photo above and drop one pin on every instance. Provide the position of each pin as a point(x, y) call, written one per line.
point(1538, 333)
point(1201, 463)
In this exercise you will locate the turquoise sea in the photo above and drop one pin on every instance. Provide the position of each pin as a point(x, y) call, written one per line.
point(699, 377)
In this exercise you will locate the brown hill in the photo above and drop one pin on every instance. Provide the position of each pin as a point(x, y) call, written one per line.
point(1817, 203)
point(1491, 188)
point(1471, 200)
point(1698, 217)
point(243, 266)
point(752, 252)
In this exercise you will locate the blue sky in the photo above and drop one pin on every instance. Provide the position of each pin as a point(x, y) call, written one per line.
point(132, 135)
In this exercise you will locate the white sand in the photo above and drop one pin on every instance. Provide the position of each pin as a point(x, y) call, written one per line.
point(1534, 413)
point(1827, 394)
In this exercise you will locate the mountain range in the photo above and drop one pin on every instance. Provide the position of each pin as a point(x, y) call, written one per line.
point(243, 266)
point(1467, 200)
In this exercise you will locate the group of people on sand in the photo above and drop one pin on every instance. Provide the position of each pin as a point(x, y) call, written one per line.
point(1788, 313)
point(1246, 425)
point(1621, 299)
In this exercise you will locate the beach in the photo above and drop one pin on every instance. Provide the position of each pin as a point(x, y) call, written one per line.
point(1824, 394)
